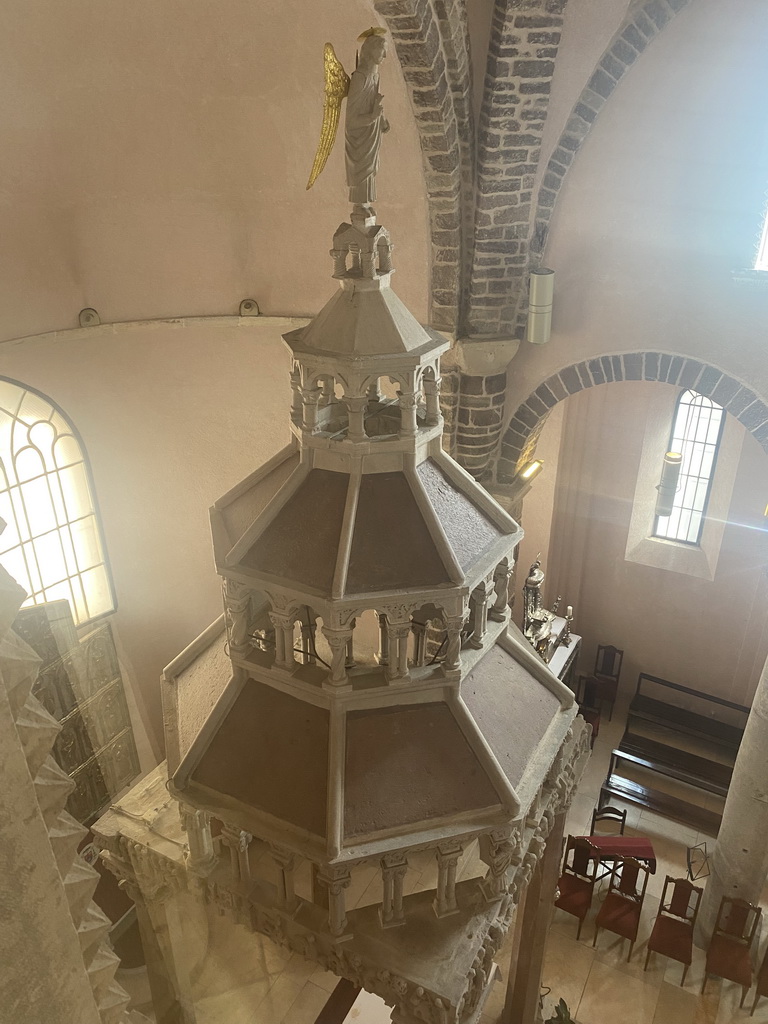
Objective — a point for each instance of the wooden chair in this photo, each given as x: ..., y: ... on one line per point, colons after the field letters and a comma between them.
x: 623, y: 904
x: 762, y: 982
x: 672, y: 933
x: 607, y: 813
x: 589, y: 707
x: 607, y: 671
x: 577, y: 882
x: 730, y: 949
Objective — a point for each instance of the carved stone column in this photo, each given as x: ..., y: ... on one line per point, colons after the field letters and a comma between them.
x: 385, y: 256
x: 350, y: 658
x: 237, y: 606
x: 283, y: 639
x: 286, y: 865
x: 431, y: 390
x: 524, y: 986
x: 308, y: 630
x: 310, y: 398
x: 409, y: 402
x: 447, y: 859
x: 399, y: 633
x: 394, y: 867
x: 297, y: 406
x: 501, y: 580
x: 336, y: 881
x: 478, y: 602
x: 454, y: 625
x: 337, y: 641
x: 356, y: 408
x: 201, y: 856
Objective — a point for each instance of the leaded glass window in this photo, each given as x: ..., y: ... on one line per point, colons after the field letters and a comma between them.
x: 696, y: 433
x: 51, y: 543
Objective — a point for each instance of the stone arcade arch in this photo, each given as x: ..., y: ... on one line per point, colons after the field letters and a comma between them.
x: 522, y: 434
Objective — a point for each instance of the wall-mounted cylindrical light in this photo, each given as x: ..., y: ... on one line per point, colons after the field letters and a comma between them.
x: 670, y: 476
x: 541, y: 290
x: 531, y: 470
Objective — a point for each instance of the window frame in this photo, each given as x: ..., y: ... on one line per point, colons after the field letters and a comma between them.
x: 36, y: 598
x: 680, y: 445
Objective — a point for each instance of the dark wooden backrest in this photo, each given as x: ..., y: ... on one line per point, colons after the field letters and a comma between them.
x: 629, y: 878
x: 608, y: 661
x: 580, y: 858
x: 608, y: 814
x: 684, y: 899
x: 737, y: 919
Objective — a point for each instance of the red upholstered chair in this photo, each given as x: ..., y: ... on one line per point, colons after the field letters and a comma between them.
x: 672, y: 933
x: 623, y: 904
x: 730, y: 950
x: 577, y: 882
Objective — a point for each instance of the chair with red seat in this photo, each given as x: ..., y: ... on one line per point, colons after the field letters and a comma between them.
x: 623, y: 904
x: 577, y: 882
x: 730, y: 949
x: 672, y: 933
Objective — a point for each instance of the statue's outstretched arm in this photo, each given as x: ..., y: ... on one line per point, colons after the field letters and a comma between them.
x: 336, y: 88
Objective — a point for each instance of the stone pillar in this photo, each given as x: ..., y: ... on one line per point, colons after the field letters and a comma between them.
x: 394, y: 867
x: 385, y: 256
x: 283, y: 639
x: 339, y: 257
x: 431, y: 390
x: 399, y: 634
x: 338, y: 640
x: 447, y: 859
x: 356, y: 408
x: 522, y: 1002
x: 237, y: 604
x: 308, y: 641
x: 454, y: 625
x: 310, y: 398
x: 286, y: 865
x: 478, y: 602
x: 409, y: 402
x: 297, y: 411
x: 501, y: 579
x: 200, y: 853
x: 383, y: 655
x: 739, y: 865
x: 350, y: 658
x: 336, y: 882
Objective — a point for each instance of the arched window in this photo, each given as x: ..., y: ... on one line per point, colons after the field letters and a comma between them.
x: 696, y: 431
x: 51, y: 543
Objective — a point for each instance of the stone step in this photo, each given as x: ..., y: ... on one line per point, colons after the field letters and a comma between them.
x: 79, y: 885
x: 37, y: 731
x: 66, y: 835
x: 92, y: 929
x: 53, y: 787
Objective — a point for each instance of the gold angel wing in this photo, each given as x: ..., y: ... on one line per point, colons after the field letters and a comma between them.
x: 336, y: 88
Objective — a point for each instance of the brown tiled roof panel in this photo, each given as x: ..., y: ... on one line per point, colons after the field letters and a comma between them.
x: 407, y: 764
x: 302, y: 543
x: 271, y: 753
x: 391, y: 546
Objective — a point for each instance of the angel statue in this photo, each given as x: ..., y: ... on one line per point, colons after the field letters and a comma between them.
x: 365, y: 121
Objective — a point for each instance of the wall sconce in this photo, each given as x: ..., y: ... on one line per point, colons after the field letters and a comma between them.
x: 541, y: 289
x: 521, y: 484
x: 667, y: 488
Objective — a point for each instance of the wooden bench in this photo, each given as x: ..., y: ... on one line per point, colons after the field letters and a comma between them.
x: 665, y: 804
x: 667, y: 708
x: 711, y: 776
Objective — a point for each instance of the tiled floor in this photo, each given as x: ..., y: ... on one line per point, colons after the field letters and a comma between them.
x: 599, y: 986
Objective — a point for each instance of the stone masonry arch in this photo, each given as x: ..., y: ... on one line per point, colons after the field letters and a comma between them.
x: 522, y: 434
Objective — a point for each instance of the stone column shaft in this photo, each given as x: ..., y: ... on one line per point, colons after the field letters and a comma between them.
x: 447, y: 861
x: 739, y: 864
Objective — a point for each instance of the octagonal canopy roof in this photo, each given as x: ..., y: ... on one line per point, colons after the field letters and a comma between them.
x: 343, y: 783
x: 365, y: 318
x: 342, y: 534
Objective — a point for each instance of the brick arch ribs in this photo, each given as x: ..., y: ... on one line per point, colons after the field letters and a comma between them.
x: 522, y: 434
